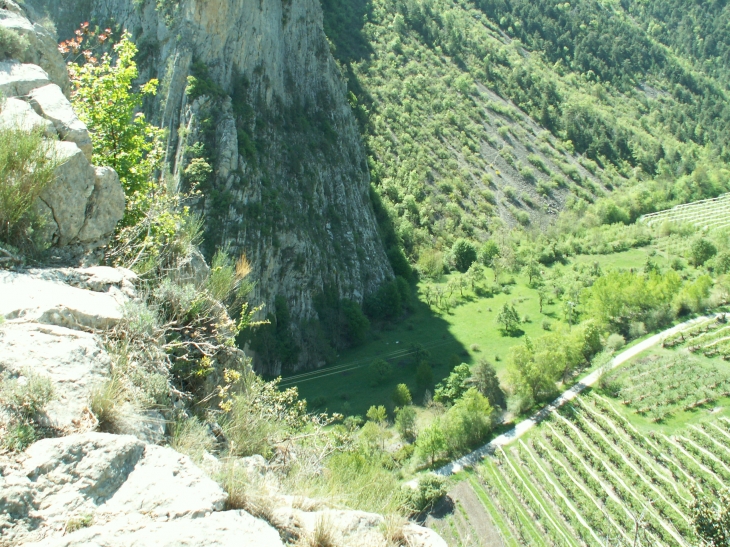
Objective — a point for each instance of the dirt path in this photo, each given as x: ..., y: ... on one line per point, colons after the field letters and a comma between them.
x: 524, y: 426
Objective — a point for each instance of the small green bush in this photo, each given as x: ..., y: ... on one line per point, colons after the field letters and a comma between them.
x: 402, y: 395
x: 191, y: 437
x: 27, y: 396
x: 380, y: 372
x: 12, y: 44
x: 23, y: 399
x: 27, y: 167
x: 431, y: 488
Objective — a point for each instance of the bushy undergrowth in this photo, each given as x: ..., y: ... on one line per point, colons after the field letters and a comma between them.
x: 12, y: 44
x: 23, y: 400
x: 27, y: 166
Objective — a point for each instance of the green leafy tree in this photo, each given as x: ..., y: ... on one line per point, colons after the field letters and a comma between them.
x: 541, y: 297
x: 431, y: 443
x: 484, y: 378
x: 357, y: 325
x: 702, y: 250
x: 454, y: 386
x: 431, y: 263
x: 106, y: 101
x: 402, y: 396
x: 534, y: 273
x: 465, y: 254
x: 431, y: 488
x: 405, y: 422
x: 475, y: 274
x: 711, y: 517
x: 467, y: 422
x: 509, y: 319
x: 377, y: 414
x: 488, y: 252
x: 419, y: 353
x: 620, y: 298
x: 530, y: 378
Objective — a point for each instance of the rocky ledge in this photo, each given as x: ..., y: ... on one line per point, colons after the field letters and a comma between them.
x: 83, y: 205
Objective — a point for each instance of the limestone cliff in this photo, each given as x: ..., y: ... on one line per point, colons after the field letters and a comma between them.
x: 267, y: 111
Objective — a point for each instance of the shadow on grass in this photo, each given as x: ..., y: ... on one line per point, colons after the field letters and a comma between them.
x: 345, y: 386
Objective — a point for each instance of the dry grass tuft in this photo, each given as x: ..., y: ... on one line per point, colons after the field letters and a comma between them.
x: 106, y: 405
x: 323, y: 535
x: 243, y: 267
x: 394, y: 531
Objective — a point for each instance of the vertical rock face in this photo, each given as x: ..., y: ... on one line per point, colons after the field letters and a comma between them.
x: 267, y: 112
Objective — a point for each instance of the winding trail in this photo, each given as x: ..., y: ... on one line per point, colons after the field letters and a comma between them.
x: 526, y: 425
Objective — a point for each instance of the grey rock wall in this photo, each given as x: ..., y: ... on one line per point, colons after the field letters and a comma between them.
x: 290, y: 181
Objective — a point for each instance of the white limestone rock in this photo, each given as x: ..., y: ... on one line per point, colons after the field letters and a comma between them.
x: 74, y: 361
x: 19, y: 79
x: 39, y: 297
x: 191, y: 269
x: 105, y: 207
x: 130, y: 489
x: 69, y: 194
x: 42, y: 50
x: 222, y: 529
x: 50, y: 102
x: 17, y: 114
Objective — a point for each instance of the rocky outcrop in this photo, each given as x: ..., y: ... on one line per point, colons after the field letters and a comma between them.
x: 114, y: 490
x: 50, y: 102
x: 84, y: 204
x: 42, y: 50
x: 17, y: 114
x: 290, y: 182
x: 50, y: 320
x: 118, y: 491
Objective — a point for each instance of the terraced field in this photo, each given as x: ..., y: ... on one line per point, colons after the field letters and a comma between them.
x: 708, y: 214
x: 710, y: 338
x: 615, y: 466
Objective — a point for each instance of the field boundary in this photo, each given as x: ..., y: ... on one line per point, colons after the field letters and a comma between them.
x: 526, y: 425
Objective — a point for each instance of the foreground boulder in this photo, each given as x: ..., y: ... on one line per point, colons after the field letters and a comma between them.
x: 102, y: 489
x: 50, y: 323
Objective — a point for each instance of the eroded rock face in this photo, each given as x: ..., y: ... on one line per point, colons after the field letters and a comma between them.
x: 47, y: 297
x: 43, y: 48
x: 50, y: 102
x: 19, y: 79
x: 294, y: 200
x: 83, y: 205
x: 216, y: 530
x: 74, y: 361
x: 133, y: 493
x: 47, y: 318
x: 17, y: 114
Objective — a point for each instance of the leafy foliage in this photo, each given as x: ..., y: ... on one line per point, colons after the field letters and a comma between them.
x: 711, y: 517
x: 106, y: 101
x: 509, y: 319
x: 454, y: 386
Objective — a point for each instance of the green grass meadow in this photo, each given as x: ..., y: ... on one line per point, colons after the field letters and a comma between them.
x: 467, y: 333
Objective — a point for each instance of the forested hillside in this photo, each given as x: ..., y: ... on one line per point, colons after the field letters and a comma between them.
x: 477, y: 114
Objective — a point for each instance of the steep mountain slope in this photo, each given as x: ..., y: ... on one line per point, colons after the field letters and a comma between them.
x: 257, y: 118
x: 617, y: 86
